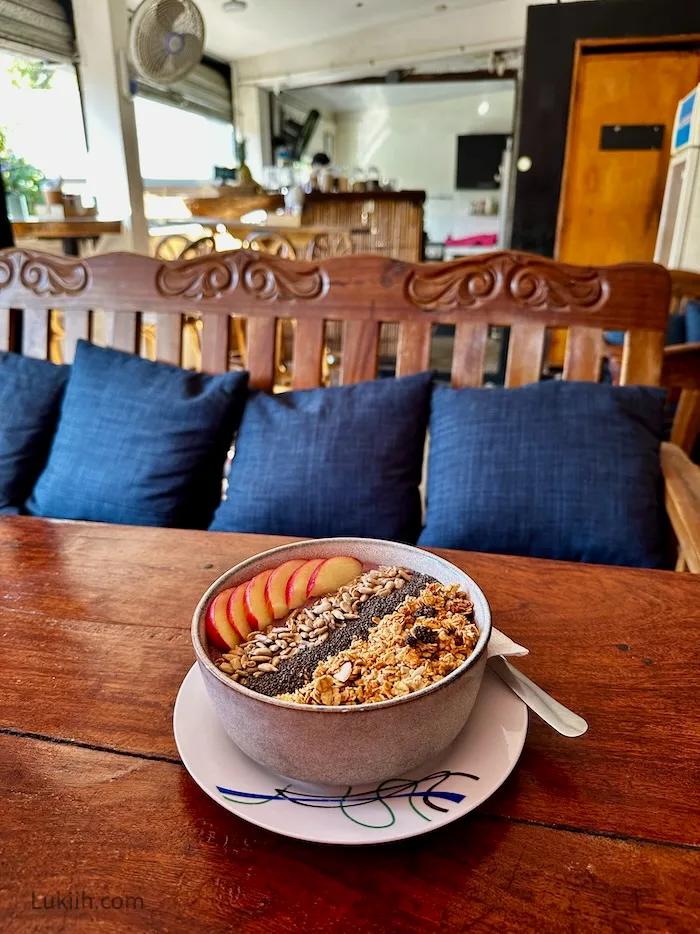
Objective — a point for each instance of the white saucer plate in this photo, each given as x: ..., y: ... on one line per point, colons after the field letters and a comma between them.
x: 437, y: 793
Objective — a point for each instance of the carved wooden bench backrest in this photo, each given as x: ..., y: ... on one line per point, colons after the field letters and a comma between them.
x: 526, y: 293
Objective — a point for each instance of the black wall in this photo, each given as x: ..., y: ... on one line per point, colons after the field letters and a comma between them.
x: 552, y: 31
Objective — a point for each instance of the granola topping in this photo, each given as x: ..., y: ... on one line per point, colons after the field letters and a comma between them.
x: 426, y: 638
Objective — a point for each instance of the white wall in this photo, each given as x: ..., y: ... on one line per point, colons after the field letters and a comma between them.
x: 113, y: 154
x: 298, y: 110
x: 416, y: 144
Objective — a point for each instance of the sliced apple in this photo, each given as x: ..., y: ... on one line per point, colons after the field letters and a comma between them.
x: 299, y: 581
x: 332, y: 574
x: 236, y: 612
x: 276, y: 588
x: 219, y: 631
x: 257, y: 611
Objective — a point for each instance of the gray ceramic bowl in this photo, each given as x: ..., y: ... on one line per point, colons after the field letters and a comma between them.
x: 346, y: 745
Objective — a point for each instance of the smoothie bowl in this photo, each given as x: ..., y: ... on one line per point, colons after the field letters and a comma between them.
x: 342, y: 661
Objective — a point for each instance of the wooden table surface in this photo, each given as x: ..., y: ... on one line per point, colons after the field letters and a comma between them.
x: 69, y: 228
x: 599, y: 833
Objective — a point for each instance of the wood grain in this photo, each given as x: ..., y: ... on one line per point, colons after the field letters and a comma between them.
x: 469, y: 355
x: 642, y: 358
x: 308, y: 350
x: 121, y: 330
x: 501, y: 288
x: 215, y: 338
x: 583, y: 354
x: 611, y: 199
x: 686, y: 421
x: 101, y: 824
x: 681, y: 367
x: 169, y: 339
x: 413, y: 353
x: 682, y: 480
x: 4, y: 328
x: 71, y: 228
x: 525, y: 354
x: 76, y: 326
x: 360, y: 347
x: 35, y: 333
x: 260, y: 352
x: 114, y: 659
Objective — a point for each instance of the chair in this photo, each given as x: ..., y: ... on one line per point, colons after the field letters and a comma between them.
x: 526, y: 293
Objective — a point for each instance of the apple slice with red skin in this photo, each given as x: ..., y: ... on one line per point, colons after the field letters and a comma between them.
x: 236, y: 612
x: 333, y: 573
x: 219, y: 631
x: 276, y: 587
x: 299, y: 581
x: 257, y: 611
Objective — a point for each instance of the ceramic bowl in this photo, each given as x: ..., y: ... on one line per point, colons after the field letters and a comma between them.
x: 355, y: 744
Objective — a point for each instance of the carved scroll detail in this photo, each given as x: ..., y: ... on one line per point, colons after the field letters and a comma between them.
x: 44, y: 274
x: 204, y: 277
x: 7, y: 271
x: 523, y: 280
x: 211, y: 276
x: 284, y: 283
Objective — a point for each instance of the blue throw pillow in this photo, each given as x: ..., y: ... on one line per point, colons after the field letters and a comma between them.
x: 30, y: 402
x: 692, y: 322
x: 139, y: 443
x: 551, y: 470
x: 325, y: 462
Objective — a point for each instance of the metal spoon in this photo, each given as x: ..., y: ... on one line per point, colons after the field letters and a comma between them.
x: 559, y: 717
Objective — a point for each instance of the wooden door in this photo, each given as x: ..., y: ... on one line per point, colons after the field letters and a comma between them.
x: 611, y: 197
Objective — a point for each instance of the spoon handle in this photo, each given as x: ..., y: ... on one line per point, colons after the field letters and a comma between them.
x: 559, y: 717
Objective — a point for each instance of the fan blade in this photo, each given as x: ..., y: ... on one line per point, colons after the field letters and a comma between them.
x: 167, y: 13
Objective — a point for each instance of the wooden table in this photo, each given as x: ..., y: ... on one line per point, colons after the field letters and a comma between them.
x: 70, y: 230
x: 595, y: 834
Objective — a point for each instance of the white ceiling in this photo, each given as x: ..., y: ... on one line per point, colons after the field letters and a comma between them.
x: 353, y: 97
x: 273, y: 25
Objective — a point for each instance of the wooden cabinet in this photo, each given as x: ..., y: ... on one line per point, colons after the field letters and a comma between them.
x: 389, y: 223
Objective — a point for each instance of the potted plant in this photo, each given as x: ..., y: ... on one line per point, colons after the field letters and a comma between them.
x: 22, y: 181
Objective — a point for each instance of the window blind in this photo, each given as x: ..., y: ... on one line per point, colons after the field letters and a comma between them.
x: 39, y: 27
x: 206, y: 90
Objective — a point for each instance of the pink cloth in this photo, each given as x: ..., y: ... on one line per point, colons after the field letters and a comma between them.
x: 477, y: 240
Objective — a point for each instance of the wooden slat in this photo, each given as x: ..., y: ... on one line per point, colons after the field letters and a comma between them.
x: 413, y: 355
x: 35, y: 333
x: 525, y: 351
x: 682, y: 487
x: 260, y: 355
x: 360, y: 345
x: 215, y: 336
x: 308, y: 351
x: 76, y: 326
x: 583, y: 354
x: 169, y: 338
x: 469, y: 354
x: 686, y: 421
x: 120, y: 330
x: 642, y: 358
x: 4, y: 328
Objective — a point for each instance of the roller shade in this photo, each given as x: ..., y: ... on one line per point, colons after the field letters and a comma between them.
x: 206, y: 90
x: 39, y: 27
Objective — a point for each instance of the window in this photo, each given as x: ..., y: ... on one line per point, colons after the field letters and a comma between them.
x: 176, y: 144
x: 41, y: 115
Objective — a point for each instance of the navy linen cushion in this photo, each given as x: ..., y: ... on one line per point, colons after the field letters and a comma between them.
x: 551, y: 470
x: 30, y: 402
x: 139, y: 443
x: 324, y: 462
x: 693, y: 322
